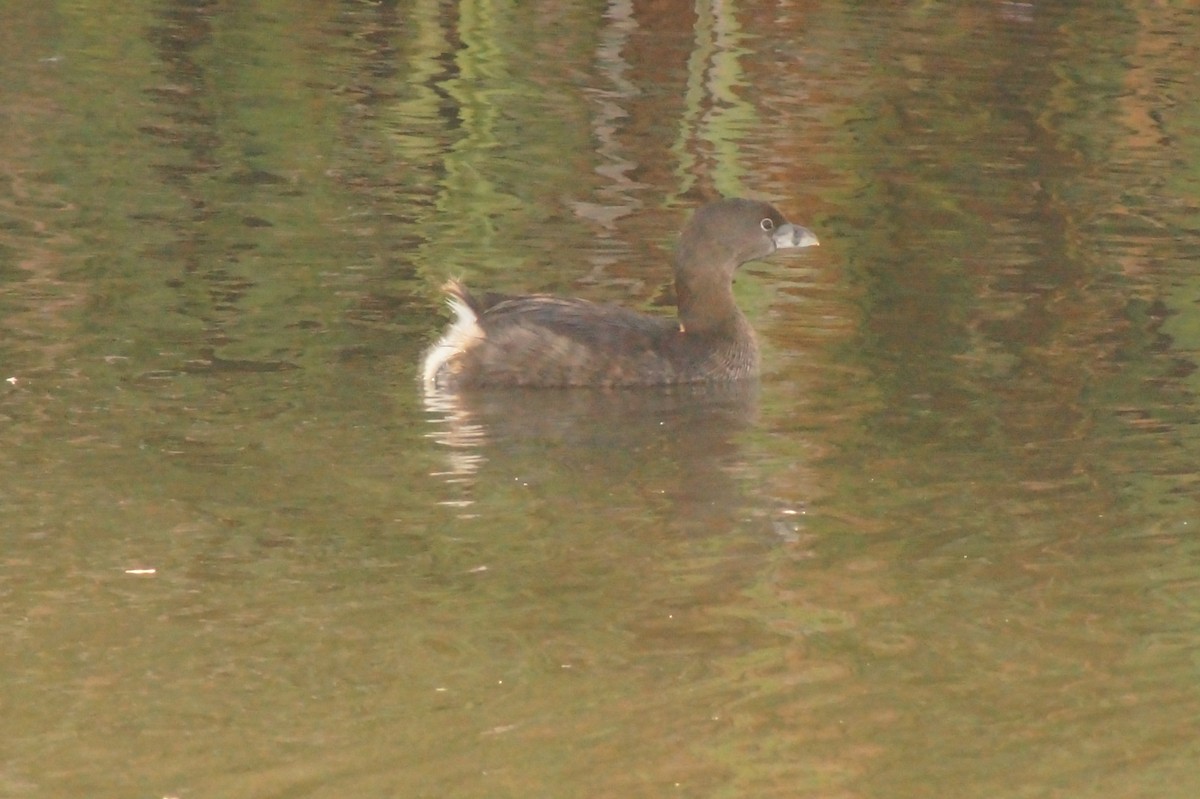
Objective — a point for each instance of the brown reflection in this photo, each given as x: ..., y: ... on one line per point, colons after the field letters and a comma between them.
x: 678, y: 444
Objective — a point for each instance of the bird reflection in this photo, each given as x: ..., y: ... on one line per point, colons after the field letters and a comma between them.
x: 681, y: 442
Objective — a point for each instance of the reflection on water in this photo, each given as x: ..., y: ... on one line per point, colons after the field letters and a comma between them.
x: 602, y: 438
x: 947, y: 547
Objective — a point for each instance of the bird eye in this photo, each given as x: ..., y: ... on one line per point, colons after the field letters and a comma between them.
x: 767, y: 225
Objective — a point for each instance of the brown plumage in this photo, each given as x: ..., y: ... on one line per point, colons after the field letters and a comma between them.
x: 541, y: 340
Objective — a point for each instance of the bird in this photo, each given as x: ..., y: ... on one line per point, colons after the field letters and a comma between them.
x: 544, y: 341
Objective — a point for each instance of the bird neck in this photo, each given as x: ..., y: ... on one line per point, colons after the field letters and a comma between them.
x: 705, y: 298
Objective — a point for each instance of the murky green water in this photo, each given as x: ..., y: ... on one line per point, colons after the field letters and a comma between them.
x: 948, y: 547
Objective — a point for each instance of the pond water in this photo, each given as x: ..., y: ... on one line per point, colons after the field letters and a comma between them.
x: 947, y: 546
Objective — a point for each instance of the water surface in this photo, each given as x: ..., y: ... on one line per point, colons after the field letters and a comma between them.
x: 946, y: 547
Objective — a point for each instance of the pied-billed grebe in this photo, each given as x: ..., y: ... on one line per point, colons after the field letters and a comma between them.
x: 540, y: 340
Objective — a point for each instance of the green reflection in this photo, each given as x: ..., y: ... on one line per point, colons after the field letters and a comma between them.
x: 948, y: 549
x: 715, y: 116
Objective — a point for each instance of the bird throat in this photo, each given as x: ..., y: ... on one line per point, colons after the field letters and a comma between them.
x: 705, y: 300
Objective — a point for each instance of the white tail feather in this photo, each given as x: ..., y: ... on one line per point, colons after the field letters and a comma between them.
x: 458, y: 338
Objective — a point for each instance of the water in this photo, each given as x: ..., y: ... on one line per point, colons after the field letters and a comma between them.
x: 947, y: 547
